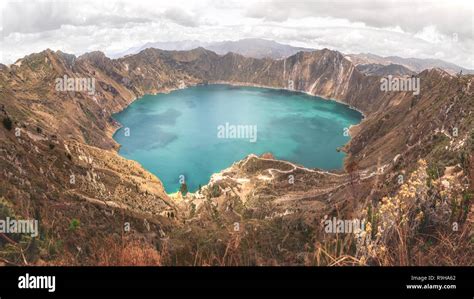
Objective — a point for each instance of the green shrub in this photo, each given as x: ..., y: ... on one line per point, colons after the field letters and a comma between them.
x: 183, y: 189
x: 7, y: 123
x: 215, y: 191
x: 74, y: 224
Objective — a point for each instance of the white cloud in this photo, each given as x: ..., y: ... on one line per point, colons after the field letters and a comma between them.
x: 181, y: 17
x: 441, y: 29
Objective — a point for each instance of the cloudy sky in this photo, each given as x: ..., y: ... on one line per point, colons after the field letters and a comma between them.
x: 413, y: 28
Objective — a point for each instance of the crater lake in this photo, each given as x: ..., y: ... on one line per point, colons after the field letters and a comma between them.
x: 194, y: 132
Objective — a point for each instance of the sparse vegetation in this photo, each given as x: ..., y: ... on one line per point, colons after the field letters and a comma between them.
x: 409, y: 223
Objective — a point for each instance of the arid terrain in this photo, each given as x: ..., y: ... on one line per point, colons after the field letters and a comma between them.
x: 409, y: 171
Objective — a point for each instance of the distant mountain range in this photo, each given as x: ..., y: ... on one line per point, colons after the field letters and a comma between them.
x: 414, y: 64
x: 170, y: 46
x: 375, y: 69
x: 369, y: 64
x: 249, y: 47
x: 256, y: 48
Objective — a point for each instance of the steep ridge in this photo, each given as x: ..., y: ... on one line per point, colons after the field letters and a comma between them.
x: 414, y: 64
x: 59, y: 166
x: 71, y: 133
x: 384, y: 70
x: 326, y: 73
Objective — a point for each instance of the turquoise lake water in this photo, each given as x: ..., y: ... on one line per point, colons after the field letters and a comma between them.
x: 181, y: 133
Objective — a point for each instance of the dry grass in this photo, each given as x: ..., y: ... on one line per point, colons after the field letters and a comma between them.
x: 130, y: 253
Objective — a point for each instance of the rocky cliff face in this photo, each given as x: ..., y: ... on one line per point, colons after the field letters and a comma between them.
x: 60, y: 163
